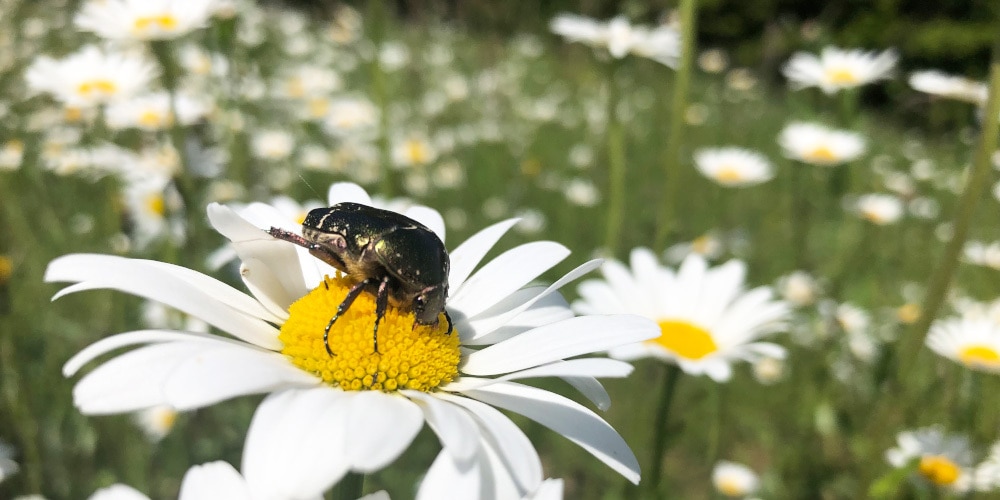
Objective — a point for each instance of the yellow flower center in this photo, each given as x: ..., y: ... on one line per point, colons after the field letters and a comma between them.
x: 417, y: 152
x: 155, y: 204
x: 939, y: 470
x: 821, y: 154
x: 6, y: 268
x: 875, y: 216
x: 685, y: 339
x: 72, y: 114
x: 908, y: 313
x: 295, y: 87
x: 100, y: 86
x: 409, y: 356
x: 841, y: 76
x: 702, y: 245
x: 318, y: 107
x: 153, y: 119
x: 14, y: 146
x: 162, y: 22
x: 729, y: 175
x: 979, y: 356
x: 730, y: 487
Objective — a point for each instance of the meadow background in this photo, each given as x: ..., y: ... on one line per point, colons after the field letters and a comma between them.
x: 514, y: 122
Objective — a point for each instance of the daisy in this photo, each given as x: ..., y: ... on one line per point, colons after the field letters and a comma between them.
x: 818, y: 145
x: 949, y: 86
x: 143, y: 19
x: 799, y: 288
x: 734, y: 480
x: 733, y: 167
x: 274, y: 145
x: 413, y: 151
x: 972, y: 340
x: 155, y: 422
x: 350, y: 116
x: 152, y: 111
x: 90, y: 76
x: 338, y: 407
x: 983, y: 254
x: 837, y: 69
x: 942, y: 460
x: 707, y: 320
x: 620, y: 38
x: 11, y: 154
x: 879, y: 209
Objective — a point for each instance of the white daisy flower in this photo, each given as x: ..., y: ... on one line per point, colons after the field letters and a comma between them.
x: 707, y: 320
x: 350, y: 116
x: 91, y: 76
x: 733, y: 166
x: 799, y: 288
x: 972, y: 340
x: 143, y: 19
x: 942, y: 460
x: 734, y: 480
x: 982, y: 254
x: 986, y: 475
x: 152, y: 111
x: 818, y: 145
x: 318, y: 405
x: 949, y: 86
x: 709, y: 245
x: 155, y: 422
x: 148, y: 202
x: 307, y: 81
x: 272, y: 145
x: 880, y: 209
x: 11, y: 154
x: 836, y: 69
x: 413, y: 151
x: 620, y: 38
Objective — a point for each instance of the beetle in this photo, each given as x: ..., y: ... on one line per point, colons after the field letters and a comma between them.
x: 396, y: 258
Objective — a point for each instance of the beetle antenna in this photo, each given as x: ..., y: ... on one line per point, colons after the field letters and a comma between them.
x: 311, y: 188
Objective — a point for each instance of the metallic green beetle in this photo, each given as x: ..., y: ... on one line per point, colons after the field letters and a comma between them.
x: 396, y: 258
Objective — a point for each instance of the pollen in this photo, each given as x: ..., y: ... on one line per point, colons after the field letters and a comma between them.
x: 684, y: 339
x: 979, y: 356
x: 939, y: 470
x: 419, y: 357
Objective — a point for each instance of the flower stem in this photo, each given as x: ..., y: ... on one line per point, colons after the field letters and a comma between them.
x: 799, y: 215
x: 616, y: 165
x: 350, y: 487
x: 675, y: 135
x: 655, y: 466
x: 975, y: 185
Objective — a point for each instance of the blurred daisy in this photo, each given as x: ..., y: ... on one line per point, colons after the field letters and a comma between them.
x: 733, y: 166
x: 328, y: 405
x: 8, y: 466
x: 350, y: 116
x: 734, y: 480
x: 982, y: 254
x: 799, y: 288
x: 949, y: 86
x: 709, y: 245
x: 620, y: 38
x: 986, y: 476
x: 972, y: 340
x: 148, y: 203
x: 274, y: 145
x: 818, y: 145
x: 942, y: 460
x: 307, y: 81
x: 152, y: 111
x: 707, y: 320
x: 837, y: 69
x: 880, y: 209
x: 155, y: 422
x: 90, y: 76
x: 413, y: 151
x: 581, y: 192
x: 11, y: 154
x: 143, y: 19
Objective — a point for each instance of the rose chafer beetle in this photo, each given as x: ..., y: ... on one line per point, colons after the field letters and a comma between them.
x: 394, y: 257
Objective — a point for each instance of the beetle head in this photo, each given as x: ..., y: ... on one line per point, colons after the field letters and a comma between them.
x: 428, y: 304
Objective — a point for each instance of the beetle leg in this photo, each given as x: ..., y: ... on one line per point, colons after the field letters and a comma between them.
x: 381, y: 299
x: 342, y: 308
x: 451, y: 327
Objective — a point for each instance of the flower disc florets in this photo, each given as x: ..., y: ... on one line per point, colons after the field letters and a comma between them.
x: 420, y: 358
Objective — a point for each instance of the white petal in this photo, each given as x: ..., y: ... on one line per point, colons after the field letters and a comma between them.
x: 218, y: 373
x: 592, y: 389
x: 565, y: 339
x: 252, y: 242
x: 428, y: 217
x: 205, y: 298
x: 718, y: 370
x: 547, y: 308
x: 447, y: 479
x: 214, y: 480
x: 551, y: 489
x: 565, y: 417
x: 505, y: 274
x: 296, y: 444
x: 472, y: 330
x: 632, y: 352
x: 512, y: 446
x: 378, y: 495
x: 372, y: 451
x: 114, y: 342
x: 467, y: 256
x: 340, y: 192
x: 455, y: 428
x: 118, y: 492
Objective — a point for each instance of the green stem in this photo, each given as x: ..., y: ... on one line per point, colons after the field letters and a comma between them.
x: 350, y: 487
x: 799, y: 215
x: 655, y: 466
x: 975, y: 185
x: 376, y: 33
x: 675, y: 135
x: 616, y: 165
